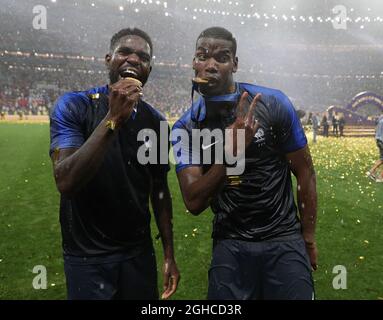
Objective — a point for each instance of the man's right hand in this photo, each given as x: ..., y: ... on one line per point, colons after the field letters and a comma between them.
x: 243, y: 121
x: 123, y: 97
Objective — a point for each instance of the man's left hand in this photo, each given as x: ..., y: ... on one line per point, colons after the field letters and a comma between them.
x: 312, y: 252
x: 171, y: 278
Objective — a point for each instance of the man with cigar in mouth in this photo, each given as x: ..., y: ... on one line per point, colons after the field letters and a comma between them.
x: 104, y: 208
x: 262, y: 248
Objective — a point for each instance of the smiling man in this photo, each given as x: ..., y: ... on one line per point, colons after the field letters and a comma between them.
x: 105, y: 191
x: 262, y: 249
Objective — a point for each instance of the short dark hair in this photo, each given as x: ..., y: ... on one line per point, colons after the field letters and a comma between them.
x: 219, y: 33
x: 130, y: 32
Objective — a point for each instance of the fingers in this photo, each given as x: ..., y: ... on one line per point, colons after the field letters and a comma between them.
x: 126, y: 91
x: 129, y: 92
x: 171, y: 279
x: 171, y: 286
x: 126, y: 87
x: 313, y: 255
x: 166, y: 286
x: 122, y: 98
x: 131, y: 88
x: 250, y: 117
x: 255, y: 125
x: 167, y: 289
x: 314, y: 264
x: 241, y: 104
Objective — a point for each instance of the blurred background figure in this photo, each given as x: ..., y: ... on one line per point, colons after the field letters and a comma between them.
x: 335, y: 123
x: 341, y: 123
x: 325, y: 125
x: 373, y: 173
x: 315, y: 125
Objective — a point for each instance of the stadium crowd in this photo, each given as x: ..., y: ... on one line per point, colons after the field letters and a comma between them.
x: 314, y: 64
x: 33, y: 90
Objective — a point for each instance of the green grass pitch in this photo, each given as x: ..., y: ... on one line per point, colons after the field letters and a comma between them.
x: 349, y: 231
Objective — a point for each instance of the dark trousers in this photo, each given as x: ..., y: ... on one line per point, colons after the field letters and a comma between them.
x: 242, y: 270
x: 134, y: 278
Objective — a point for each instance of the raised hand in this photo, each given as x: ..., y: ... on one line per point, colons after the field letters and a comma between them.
x: 123, y: 98
x: 243, y: 121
